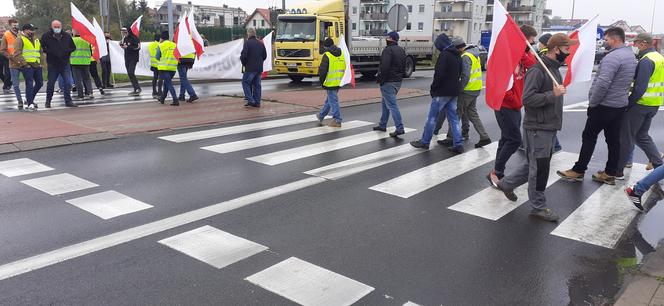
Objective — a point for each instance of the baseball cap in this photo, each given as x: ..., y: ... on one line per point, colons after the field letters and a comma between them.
x: 560, y: 40
x: 393, y: 35
x: 28, y: 26
x: 544, y: 39
x: 644, y: 37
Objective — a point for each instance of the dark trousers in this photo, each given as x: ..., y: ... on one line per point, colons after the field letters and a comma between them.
x: 509, y: 121
x: 106, y: 73
x: 157, y: 82
x: 609, y: 120
x: 5, y: 75
x: 33, y: 82
x: 167, y: 76
x: 82, y: 79
x: 131, y: 69
x: 54, y: 72
x: 95, y: 75
x: 635, y: 128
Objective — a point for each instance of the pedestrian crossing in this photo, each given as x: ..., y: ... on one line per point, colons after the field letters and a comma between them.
x: 112, y: 97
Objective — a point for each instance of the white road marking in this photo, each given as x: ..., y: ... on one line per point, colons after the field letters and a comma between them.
x: 83, y: 248
x: 21, y: 166
x: 491, y: 204
x: 365, y: 162
x: 288, y: 155
x: 409, y: 303
x: 59, y: 183
x: 427, y: 177
x: 283, y: 137
x: 308, y: 284
x: 213, y: 246
x: 581, y: 107
x: 108, y: 204
x: 237, y: 129
x: 603, y: 217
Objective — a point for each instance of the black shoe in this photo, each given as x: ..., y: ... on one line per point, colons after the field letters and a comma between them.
x: 254, y: 105
x: 47, y: 104
x: 418, y: 144
x: 509, y: 194
x: 482, y: 142
x: 73, y: 89
x: 192, y: 99
x: 247, y: 104
x: 456, y: 149
x: 71, y: 105
x: 445, y: 142
x: 138, y: 91
x: 396, y: 133
x: 182, y: 98
x: 175, y: 103
x: 101, y: 91
x: 379, y: 129
x: 635, y: 198
x: 161, y: 100
x: 133, y: 93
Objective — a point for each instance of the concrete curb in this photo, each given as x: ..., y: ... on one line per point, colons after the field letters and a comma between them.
x: 53, y: 142
x: 646, y: 286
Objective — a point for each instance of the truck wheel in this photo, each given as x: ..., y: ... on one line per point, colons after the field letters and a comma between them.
x: 410, y: 67
x: 369, y: 73
x: 296, y: 78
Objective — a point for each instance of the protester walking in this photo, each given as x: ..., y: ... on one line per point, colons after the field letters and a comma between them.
x: 185, y: 63
x: 390, y: 74
x: 330, y: 72
x: 509, y: 114
x: 27, y: 53
x: 58, y: 47
x: 157, y: 83
x: 106, y: 64
x: 471, y: 82
x: 252, y: 57
x: 444, y: 92
x: 7, y: 49
x: 608, y: 99
x: 95, y: 74
x: 167, y: 67
x: 5, y: 73
x: 636, y: 192
x: 131, y: 45
x: 543, y: 104
x: 80, y: 65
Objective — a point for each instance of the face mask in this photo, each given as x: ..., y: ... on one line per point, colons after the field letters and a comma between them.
x: 57, y: 30
x: 15, y: 26
x: 562, y: 56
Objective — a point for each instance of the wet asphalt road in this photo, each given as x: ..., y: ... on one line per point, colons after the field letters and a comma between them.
x: 407, y: 249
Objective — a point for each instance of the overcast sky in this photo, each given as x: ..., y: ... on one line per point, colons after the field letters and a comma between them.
x: 633, y: 11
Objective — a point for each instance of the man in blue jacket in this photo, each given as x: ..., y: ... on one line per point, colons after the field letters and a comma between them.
x: 252, y: 57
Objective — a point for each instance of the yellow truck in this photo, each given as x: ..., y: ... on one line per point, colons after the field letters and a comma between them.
x: 300, y: 34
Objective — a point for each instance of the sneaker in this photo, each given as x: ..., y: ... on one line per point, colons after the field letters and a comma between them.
x: 483, y: 142
x: 456, y: 149
x: 31, y: 106
x: 161, y: 100
x: 182, y: 98
x: 629, y: 165
x: 445, y: 142
x: 396, y: 133
x: 620, y: 176
x: 320, y: 119
x: 571, y: 175
x: 635, y: 198
x: 509, y: 194
x: 602, y: 177
x: 175, y: 103
x: 101, y: 91
x: 35, y: 105
x: 334, y: 123
x: 650, y: 166
x: 545, y: 214
x: 192, y: 99
x: 379, y: 129
x: 418, y: 144
x: 493, y: 179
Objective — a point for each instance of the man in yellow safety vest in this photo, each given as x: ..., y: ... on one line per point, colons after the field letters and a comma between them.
x: 27, y: 53
x: 167, y: 66
x: 80, y: 66
x: 157, y: 83
x: 330, y: 72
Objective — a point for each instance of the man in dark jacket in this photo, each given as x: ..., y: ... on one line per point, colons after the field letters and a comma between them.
x: 444, y: 92
x: 252, y: 57
x: 58, y: 46
x: 390, y: 75
x: 543, y: 102
x: 330, y: 72
x: 131, y: 45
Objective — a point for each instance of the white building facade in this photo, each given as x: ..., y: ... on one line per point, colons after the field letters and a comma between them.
x: 205, y: 15
x: 462, y: 18
x: 369, y: 18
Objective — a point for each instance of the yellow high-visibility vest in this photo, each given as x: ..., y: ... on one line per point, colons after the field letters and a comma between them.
x: 190, y: 55
x: 82, y: 54
x: 31, y: 51
x: 152, y: 48
x: 654, y: 95
x: 167, y: 62
x: 336, y: 69
x: 475, y: 81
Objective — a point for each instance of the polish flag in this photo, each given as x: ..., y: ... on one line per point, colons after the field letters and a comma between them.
x: 581, y: 58
x: 267, y: 63
x: 85, y: 29
x: 507, y: 47
x: 198, y: 39
x: 182, y: 39
x: 101, y: 49
x: 136, y: 26
x: 349, y: 73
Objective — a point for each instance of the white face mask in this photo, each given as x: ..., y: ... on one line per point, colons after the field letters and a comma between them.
x: 57, y: 30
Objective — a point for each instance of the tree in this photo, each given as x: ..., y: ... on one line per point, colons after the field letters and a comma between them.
x: 42, y: 12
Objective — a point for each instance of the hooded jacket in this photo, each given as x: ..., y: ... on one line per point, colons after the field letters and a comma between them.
x: 447, y: 74
x: 467, y: 66
x: 57, y: 47
x: 392, y: 64
x: 325, y: 65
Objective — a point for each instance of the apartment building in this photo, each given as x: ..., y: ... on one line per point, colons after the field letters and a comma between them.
x: 530, y: 12
x: 369, y: 18
x: 463, y: 18
x: 205, y: 15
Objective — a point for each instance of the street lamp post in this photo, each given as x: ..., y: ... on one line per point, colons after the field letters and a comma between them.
x: 652, y: 21
x: 170, y: 18
x: 574, y: 6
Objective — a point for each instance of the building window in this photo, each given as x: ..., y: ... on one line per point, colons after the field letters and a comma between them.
x: 410, y: 9
x: 444, y: 26
x: 409, y: 26
x: 354, y: 9
x: 447, y: 8
x: 262, y: 23
x: 254, y: 23
x: 421, y: 8
x: 420, y: 26
x: 354, y: 26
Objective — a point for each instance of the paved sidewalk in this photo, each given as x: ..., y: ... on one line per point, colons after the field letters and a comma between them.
x: 646, y: 287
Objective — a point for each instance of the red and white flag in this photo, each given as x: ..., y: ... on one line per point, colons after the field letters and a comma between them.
x: 136, y: 26
x: 182, y: 39
x: 349, y: 73
x: 581, y: 57
x: 507, y: 47
x: 84, y: 29
x: 267, y: 63
x: 196, y: 37
x: 101, y: 49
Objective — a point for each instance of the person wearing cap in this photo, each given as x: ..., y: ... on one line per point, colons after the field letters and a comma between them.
x: 167, y: 66
x: 80, y: 65
x: 131, y: 45
x: 542, y: 42
x: 390, y: 74
x: 608, y: 100
x: 58, y: 47
x: 157, y: 83
x: 5, y: 73
x: 444, y: 92
x: 645, y: 99
x: 471, y: 84
x: 543, y: 104
x: 7, y: 49
x: 330, y: 73
x: 252, y: 57
x: 27, y: 53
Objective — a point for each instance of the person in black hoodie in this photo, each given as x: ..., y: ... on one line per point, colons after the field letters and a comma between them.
x: 58, y: 46
x: 252, y: 57
x: 390, y: 74
x: 330, y: 72
x: 131, y: 45
x: 444, y: 92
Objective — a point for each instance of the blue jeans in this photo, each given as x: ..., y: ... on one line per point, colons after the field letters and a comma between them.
x: 184, y: 82
x: 331, y: 103
x: 16, y: 82
x: 389, y: 103
x: 70, y: 77
x: 33, y: 82
x: 651, y: 179
x: 449, y: 106
x: 251, y: 85
x: 167, y: 76
x: 54, y: 74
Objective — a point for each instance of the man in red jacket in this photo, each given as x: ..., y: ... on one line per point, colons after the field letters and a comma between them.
x: 509, y: 115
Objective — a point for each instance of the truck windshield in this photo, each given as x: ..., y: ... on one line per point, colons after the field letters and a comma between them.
x: 296, y: 30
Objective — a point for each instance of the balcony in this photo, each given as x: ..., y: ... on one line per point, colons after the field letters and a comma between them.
x: 489, y: 2
x: 374, y: 2
x: 453, y: 15
x: 526, y: 9
x: 548, y: 12
x: 374, y: 16
x: 372, y: 32
x: 489, y: 18
x: 526, y: 22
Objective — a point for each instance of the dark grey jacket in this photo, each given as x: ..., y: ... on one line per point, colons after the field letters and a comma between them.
x: 614, y: 79
x: 544, y: 111
x: 392, y: 64
x: 644, y: 71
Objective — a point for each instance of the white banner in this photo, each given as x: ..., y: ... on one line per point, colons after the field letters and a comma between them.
x: 218, y: 62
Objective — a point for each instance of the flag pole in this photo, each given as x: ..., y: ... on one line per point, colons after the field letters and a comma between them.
x: 543, y: 65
